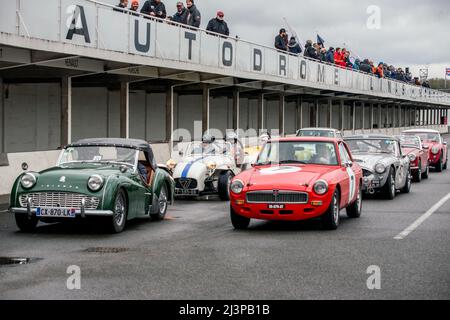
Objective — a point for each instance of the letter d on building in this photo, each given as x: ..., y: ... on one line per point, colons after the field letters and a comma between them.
x: 74, y: 280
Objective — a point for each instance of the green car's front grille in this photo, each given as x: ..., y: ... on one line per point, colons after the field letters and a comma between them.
x: 59, y: 200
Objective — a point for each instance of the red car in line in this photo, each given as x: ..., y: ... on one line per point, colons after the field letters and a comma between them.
x: 298, y: 179
x: 418, y: 154
x: 433, y: 141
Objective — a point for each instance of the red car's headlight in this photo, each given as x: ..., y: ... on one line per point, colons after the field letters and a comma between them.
x: 237, y: 186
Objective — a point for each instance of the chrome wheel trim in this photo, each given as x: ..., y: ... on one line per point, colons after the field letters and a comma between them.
x: 335, y: 210
x: 162, y: 200
x: 392, y: 184
x: 229, y: 185
x: 119, y: 210
x: 359, y: 200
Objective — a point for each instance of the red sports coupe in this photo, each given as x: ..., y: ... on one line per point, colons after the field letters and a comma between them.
x: 419, y: 156
x: 433, y: 141
x: 298, y: 179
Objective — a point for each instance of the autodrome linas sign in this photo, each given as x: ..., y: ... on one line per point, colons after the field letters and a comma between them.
x: 88, y: 24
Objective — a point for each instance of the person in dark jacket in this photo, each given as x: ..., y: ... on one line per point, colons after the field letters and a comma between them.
x: 365, y: 66
x: 329, y: 57
x: 123, y: 4
x: 181, y: 15
x: 310, y: 51
x: 154, y: 8
x: 194, y: 16
x: 294, y: 46
x: 280, y: 40
x: 218, y: 25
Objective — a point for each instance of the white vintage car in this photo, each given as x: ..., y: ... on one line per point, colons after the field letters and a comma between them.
x: 206, y: 168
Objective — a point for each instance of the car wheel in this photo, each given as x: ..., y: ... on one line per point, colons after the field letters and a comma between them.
x: 407, y: 187
x: 331, y: 218
x: 119, y: 217
x: 224, y: 186
x: 355, y: 209
x: 418, y: 173
x: 238, y: 222
x: 426, y: 174
x: 438, y: 167
x: 445, y: 164
x: 25, y: 223
x: 389, y: 187
x: 162, y: 205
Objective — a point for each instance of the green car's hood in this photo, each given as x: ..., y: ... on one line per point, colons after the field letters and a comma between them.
x: 72, y: 177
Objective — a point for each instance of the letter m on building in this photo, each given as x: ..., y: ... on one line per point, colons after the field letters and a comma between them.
x: 320, y: 73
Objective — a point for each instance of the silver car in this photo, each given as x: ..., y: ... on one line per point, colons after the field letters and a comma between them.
x: 385, y: 168
x: 320, y: 132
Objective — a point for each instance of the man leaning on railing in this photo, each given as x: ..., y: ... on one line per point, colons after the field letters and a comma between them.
x: 154, y: 8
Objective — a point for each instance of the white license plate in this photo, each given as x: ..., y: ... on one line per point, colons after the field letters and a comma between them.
x: 55, y: 213
x: 275, y: 206
x: 186, y: 192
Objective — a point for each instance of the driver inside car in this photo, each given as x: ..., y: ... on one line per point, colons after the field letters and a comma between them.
x: 323, y: 155
x: 387, y: 146
x: 142, y: 167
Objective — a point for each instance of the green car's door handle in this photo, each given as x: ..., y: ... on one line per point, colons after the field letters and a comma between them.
x: 149, y: 194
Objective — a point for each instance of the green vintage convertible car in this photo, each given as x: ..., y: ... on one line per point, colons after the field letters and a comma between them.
x: 113, y: 180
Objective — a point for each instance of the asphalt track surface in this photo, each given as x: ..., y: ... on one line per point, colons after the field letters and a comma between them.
x: 196, y: 254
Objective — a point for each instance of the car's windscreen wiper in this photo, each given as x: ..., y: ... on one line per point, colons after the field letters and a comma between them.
x: 292, y: 161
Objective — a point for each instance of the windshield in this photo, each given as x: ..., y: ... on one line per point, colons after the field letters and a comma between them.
x: 95, y: 154
x: 372, y: 146
x: 209, y: 148
x: 426, y: 136
x: 316, y: 133
x: 410, y: 141
x: 293, y: 152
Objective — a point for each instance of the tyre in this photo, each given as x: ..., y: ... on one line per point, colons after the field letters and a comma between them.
x: 162, y: 205
x: 355, y: 209
x: 119, y: 217
x: 407, y: 187
x: 389, y: 188
x: 224, y: 186
x: 331, y: 218
x: 417, y: 175
x: 438, y: 166
x: 25, y: 223
x: 238, y: 222
x: 426, y: 174
x: 445, y: 164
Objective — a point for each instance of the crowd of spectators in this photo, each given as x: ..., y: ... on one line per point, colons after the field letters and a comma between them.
x: 187, y: 15
x: 190, y: 16
x: 342, y: 57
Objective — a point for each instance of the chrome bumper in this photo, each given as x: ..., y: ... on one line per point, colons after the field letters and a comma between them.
x: 78, y: 212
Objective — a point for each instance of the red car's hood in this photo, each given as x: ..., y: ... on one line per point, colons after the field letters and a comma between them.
x: 289, y: 177
x: 408, y: 150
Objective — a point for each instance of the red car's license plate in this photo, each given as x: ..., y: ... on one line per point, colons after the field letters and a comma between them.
x: 276, y: 206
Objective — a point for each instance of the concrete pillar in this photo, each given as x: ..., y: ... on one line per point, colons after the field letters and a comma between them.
x: 299, y: 113
x: 363, y: 116
x: 2, y: 117
x: 330, y: 113
x: 124, y: 110
x: 380, y: 117
x: 260, y: 111
x: 354, y: 117
x: 236, y: 108
x: 371, y: 117
x: 394, y: 118
x: 342, y: 112
x: 281, y: 112
x: 66, y: 111
x: 205, y: 109
x: 169, y: 115
x: 317, y: 110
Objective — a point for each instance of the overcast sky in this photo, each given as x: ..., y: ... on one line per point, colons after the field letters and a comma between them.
x: 414, y: 33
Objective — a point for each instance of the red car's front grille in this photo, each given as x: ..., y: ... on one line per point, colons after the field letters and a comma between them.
x: 271, y: 196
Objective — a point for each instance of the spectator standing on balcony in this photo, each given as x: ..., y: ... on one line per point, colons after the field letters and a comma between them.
x: 181, y: 15
x: 330, y: 55
x: 218, y: 25
x: 123, y: 4
x: 194, y: 16
x: 310, y: 51
x: 365, y: 66
x: 357, y: 64
x: 294, y: 46
x: 323, y: 55
x: 379, y: 70
x: 338, y: 57
x: 134, y: 7
x: 280, y: 40
x: 154, y: 8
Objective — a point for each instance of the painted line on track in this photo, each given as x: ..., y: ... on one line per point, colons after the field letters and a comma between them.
x: 402, y: 235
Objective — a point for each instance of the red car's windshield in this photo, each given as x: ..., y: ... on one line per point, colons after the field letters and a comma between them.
x: 302, y: 152
x: 427, y: 136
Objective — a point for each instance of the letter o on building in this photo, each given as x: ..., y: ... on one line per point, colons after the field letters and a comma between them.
x: 227, y: 54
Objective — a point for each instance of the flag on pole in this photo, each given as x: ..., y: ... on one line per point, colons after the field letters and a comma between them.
x: 320, y: 40
x: 447, y: 72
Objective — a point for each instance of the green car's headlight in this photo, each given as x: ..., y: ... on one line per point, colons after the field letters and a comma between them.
x: 95, y: 182
x: 237, y: 186
x: 28, y: 180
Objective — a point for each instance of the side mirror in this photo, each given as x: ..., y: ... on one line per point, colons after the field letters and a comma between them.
x: 445, y: 143
x: 123, y: 169
x: 181, y: 153
x: 349, y: 164
x: 25, y: 166
x: 426, y: 147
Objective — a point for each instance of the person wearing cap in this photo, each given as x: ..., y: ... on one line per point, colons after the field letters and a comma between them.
x: 181, y: 15
x: 218, y: 25
x: 194, y: 17
x: 294, y: 46
x: 123, y: 4
x: 154, y: 8
x: 280, y: 40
